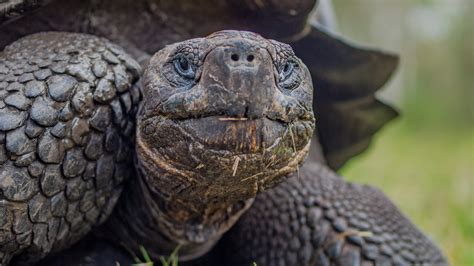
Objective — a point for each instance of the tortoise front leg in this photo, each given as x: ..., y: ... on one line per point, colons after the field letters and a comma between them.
x: 319, y: 219
x: 67, y: 104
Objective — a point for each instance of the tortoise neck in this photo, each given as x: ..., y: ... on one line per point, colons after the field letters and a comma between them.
x: 161, y: 223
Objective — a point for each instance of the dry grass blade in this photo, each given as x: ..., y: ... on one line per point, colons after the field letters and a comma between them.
x: 233, y: 119
x: 235, y: 166
x: 250, y: 177
x: 355, y: 233
x: 290, y: 126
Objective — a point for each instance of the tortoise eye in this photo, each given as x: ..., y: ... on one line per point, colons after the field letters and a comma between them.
x: 286, y: 71
x: 183, y: 66
x: 289, y: 75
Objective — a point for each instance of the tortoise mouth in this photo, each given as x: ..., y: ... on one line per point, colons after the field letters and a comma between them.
x: 241, y: 135
x: 222, y: 151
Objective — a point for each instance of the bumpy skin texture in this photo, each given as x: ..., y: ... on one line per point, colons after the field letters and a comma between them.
x: 66, y: 127
x: 317, y: 218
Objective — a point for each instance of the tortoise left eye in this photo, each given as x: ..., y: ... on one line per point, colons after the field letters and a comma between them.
x: 286, y: 71
x: 183, y: 67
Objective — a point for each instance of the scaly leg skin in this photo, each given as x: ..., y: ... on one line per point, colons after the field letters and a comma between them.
x: 319, y: 219
x: 67, y: 104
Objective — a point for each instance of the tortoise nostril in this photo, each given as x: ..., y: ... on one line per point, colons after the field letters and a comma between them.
x: 235, y: 57
x: 250, y: 58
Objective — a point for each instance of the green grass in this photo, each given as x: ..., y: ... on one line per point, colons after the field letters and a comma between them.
x: 171, y: 260
x: 428, y: 172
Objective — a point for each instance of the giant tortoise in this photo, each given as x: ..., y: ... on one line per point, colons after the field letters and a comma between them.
x: 203, y: 150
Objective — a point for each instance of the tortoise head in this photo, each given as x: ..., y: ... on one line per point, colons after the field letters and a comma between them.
x: 223, y: 117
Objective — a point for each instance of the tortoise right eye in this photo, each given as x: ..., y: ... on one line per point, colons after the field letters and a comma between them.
x: 289, y: 75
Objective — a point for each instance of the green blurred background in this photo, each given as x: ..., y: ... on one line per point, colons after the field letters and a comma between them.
x: 424, y: 159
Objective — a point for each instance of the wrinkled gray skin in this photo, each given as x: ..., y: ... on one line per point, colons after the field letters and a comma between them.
x: 68, y: 105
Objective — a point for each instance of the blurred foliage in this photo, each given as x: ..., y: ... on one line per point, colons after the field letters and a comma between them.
x: 424, y: 160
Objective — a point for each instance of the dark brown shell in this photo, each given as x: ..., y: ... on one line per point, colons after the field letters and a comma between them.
x: 345, y: 78
x: 9, y: 9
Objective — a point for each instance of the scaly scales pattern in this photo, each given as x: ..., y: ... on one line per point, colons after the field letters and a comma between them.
x: 67, y: 104
x: 319, y: 219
